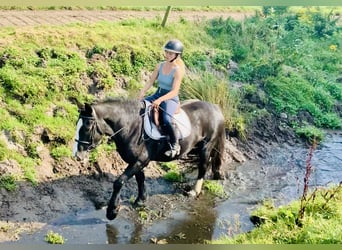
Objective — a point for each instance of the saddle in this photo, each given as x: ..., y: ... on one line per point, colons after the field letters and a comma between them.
x: 152, y: 130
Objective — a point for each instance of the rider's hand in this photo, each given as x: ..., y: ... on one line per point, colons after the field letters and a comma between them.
x: 156, y: 104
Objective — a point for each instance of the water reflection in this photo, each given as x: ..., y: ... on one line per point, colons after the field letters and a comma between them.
x: 192, y: 225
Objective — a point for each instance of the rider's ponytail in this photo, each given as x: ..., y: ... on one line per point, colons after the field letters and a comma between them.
x: 180, y: 63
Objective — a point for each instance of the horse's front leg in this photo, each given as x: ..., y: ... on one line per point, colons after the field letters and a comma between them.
x: 114, y: 202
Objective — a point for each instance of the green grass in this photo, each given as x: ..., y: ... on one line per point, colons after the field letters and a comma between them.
x: 322, y: 223
x: 54, y: 238
x: 173, y: 173
x: 311, y: 134
x: 8, y: 182
x: 215, y: 188
x: 59, y: 152
x: 102, y: 150
x: 173, y: 176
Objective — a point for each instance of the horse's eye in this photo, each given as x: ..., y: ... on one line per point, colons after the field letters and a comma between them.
x: 87, y: 123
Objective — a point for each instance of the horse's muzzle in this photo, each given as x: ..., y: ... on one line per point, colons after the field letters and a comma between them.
x: 81, y: 157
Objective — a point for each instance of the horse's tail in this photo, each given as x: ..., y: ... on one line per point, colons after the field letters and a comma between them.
x: 217, y: 153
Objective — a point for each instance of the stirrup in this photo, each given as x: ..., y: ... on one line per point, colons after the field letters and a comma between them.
x: 173, y: 151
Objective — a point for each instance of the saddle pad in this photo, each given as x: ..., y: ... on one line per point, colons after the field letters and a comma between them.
x: 181, y: 120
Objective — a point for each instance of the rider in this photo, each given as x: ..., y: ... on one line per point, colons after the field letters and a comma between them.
x: 169, y: 75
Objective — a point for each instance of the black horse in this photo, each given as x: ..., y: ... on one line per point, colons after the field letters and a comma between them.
x: 122, y: 120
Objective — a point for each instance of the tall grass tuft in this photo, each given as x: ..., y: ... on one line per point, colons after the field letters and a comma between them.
x: 206, y: 86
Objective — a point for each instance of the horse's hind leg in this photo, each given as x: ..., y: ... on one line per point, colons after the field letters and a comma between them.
x: 140, y: 178
x: 204, y: 157
x: 210, y: 152
x: 217, y: 153
x: 216, y: 162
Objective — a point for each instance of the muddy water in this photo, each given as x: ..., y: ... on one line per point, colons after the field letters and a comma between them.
x: 279, y: 177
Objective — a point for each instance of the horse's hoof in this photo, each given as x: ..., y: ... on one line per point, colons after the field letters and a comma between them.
x: 138, y: 203
x: 217, y: 176
x: 192, y: 194
x: 111, y: 214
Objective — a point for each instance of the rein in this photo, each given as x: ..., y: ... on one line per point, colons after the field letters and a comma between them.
x: 93, y: 145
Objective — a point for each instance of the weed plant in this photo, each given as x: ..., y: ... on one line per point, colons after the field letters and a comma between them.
x: 215, y: 188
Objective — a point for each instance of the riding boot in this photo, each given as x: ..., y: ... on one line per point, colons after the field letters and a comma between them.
x: 174, y: 144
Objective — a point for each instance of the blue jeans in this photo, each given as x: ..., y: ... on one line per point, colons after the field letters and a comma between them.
x: 168, y: 107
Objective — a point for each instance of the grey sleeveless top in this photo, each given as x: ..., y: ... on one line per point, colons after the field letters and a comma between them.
x: 165, y: 81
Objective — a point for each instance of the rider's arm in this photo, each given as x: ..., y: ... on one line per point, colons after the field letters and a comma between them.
x: 150, y: 82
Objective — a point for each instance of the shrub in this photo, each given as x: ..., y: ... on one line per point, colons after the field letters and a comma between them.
x: 196, y: 59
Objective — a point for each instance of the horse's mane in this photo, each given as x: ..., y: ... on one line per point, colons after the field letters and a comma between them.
x: 130, y: 106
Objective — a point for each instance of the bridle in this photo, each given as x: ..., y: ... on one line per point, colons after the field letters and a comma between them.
x: 92, y: 129
x: 91, y: 144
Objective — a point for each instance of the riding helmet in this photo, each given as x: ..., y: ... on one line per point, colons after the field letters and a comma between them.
x: 174, y: 46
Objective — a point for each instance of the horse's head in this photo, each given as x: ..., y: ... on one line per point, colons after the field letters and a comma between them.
x: 88, y: 133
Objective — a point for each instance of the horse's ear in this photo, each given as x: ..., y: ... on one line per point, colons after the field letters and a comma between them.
x: 80, y: 106
x: 88, y: 109
x: 75, y: 101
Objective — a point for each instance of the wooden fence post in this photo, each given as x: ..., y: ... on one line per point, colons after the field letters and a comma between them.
x: 166, y: 16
